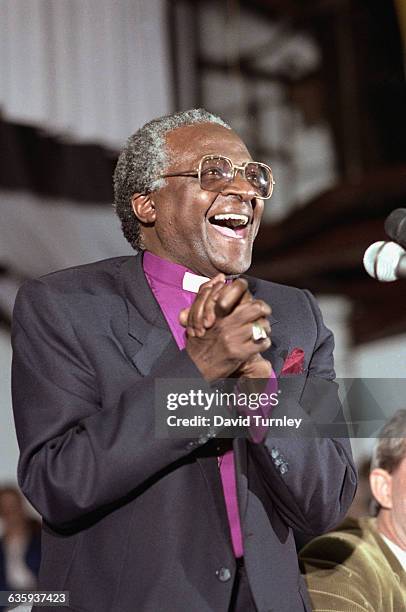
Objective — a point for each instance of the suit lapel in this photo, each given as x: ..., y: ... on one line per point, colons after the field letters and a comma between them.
x: 150, y: 332
x: 278, y: 350
x: 276, y: 354
x: 147, y: 325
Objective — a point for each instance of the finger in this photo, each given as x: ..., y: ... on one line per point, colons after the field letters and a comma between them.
x: 246, y: 331
x: 196, y: 314
x: 251, y: 348
x: 184, y: 313
x: 230, y: 296
x: 247, y: 297
x: 209, y: 315
x: 183, y: 316
x: 249, y: 312
x: 247, y: 349
x: 193, y: 318
x: 265, y: 324
x: 239, y: 342
x: 219, y: 278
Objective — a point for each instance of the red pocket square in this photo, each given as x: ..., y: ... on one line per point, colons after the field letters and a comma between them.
x: 294, y: 362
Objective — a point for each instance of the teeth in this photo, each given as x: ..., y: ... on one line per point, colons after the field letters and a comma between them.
x: 232, y: 216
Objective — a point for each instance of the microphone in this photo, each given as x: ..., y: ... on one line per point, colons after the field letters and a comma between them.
x: 395, y: 226
x: 385, y: 261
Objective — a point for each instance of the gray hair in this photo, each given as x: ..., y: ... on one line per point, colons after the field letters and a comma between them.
x: 390, y: 448
x: 143, y: 158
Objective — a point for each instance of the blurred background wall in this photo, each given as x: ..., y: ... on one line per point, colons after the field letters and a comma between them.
x: 315, y: 88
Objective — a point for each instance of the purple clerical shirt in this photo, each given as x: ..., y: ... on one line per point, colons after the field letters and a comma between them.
x: 167, y: 282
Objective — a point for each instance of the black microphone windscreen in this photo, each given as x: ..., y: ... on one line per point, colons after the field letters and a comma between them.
x: 395, y: 226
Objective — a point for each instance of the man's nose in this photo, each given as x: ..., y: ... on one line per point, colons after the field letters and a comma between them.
x: 239, y: 186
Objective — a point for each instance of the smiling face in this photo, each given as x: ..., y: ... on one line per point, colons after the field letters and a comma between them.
x: 182, y: 223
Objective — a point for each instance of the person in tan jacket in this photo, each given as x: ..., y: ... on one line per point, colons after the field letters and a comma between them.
x: 361, y: 567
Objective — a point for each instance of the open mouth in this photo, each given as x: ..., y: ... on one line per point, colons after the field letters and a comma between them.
x: 230, y: 224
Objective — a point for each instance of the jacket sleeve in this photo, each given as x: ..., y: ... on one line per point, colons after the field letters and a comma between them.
x: 77, y: 456
x: 341, y: 575
x: 309, y: 474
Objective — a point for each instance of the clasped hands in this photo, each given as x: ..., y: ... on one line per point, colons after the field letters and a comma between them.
x: 219, y: 327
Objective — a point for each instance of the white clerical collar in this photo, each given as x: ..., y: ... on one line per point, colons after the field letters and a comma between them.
x: 397, y: 551
x: 193, y: 282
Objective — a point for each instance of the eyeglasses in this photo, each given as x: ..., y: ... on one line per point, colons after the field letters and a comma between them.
x: 216, y: 172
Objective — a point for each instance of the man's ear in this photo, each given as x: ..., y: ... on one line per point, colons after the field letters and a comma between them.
x: 143, y: 207
x: 261, y: 203
x: 381, y: 487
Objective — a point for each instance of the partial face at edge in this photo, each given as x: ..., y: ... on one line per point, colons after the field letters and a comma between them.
x: 184, y: 229
x: 398, y: 492
x: 389, y: 490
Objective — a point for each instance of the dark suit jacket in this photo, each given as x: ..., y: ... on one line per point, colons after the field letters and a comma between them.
x: 133, y: 522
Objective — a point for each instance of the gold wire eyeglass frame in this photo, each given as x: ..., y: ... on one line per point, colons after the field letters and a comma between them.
x: 235, y: 168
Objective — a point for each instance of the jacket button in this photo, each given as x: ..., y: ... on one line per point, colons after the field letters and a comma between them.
x: 223, y: 574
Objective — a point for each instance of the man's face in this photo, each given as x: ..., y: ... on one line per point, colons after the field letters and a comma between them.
x: 399, y: 503
x: 185, y: 230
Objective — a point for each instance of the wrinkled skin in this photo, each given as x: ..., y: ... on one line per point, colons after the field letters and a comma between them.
x: 175, y: 226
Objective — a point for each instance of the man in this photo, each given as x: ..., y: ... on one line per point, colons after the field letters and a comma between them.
x: 363, y: 565
x: 137, y: 522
